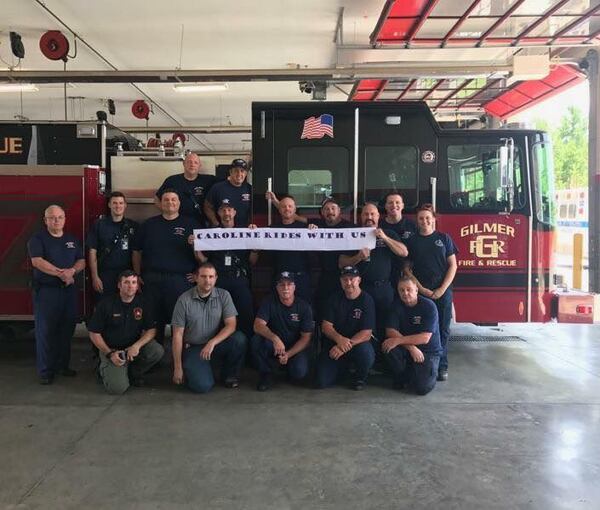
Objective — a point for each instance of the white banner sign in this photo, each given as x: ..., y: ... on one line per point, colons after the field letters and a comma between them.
x: 292, y: 239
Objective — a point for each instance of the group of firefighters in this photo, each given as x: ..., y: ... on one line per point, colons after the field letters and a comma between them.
x: 393, y: 301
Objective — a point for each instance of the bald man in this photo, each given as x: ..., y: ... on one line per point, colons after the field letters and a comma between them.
x: 56, y: 257
x: 192, y: 187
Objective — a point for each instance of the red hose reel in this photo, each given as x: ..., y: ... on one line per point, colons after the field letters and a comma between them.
x: 54, y: 45
x: 140, y: 109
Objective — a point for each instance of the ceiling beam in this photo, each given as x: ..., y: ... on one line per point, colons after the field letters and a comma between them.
x: 538, y: 22
x: 422, y: 19
x: 453, y: 93
x: 166, y: 76
x: 408, y: 87
x: 186, y: 129
x: 571, y: 26
x: 499, y: 22
x: 460, y: 21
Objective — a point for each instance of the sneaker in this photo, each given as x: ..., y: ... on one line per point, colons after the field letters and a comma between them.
x: 264, y: 382
x: 138, y: 382
x: 68, y: 372
x: 442, y: 374
x: 232, y: 382
x: 358, y: 385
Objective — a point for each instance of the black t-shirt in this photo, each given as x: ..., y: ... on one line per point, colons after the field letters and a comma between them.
x: 405, y: 228
x: 429, y: 256
x: 329, y: 259
x: 191, y: 193
x: 292, y: 261
x: 380, y: 263
x: 113, y: 242
x: 240, y: 197
x: 121, y: 324
x: 62, y: 251
x: 349, y: 316
x: 287, y: 322
x: 164, y: 244
x: 421, y: 318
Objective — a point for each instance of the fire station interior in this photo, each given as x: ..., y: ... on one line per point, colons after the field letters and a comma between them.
x: 141, y: 83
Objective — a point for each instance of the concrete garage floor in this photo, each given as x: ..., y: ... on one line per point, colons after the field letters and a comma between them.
x: 516, y: 426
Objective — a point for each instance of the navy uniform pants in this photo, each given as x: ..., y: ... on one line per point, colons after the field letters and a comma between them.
x: 362, y: 356
x: 110, y: 278
x: 265, y: 361
x: 444, y: 308
x: 383, y: 296
x: 420, y: 376
x: 55, y: 315
x: 327, y: 287
x: 164, y: 289
x: 198, y: 373
x: 239, y: 288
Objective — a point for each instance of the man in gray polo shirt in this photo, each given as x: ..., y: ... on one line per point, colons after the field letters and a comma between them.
x: 204, y: 322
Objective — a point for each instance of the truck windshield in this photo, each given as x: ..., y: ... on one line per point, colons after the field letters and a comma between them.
x: 543, y: 178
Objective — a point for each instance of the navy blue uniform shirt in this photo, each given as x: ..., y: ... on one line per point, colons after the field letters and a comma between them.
x: 239, y: 197
x: 164, y: 245
x: 405, y: 228
x: 113, y: 241
x: 292, y: 261
x: 230, y: 262
x: 62, y: 251
x: 287, y: 322
x: 380, y: 263
x: 121, y: 324
x: 429, y: 256
x: 349, y: 316
x: 421, y: 318
x: 191, y: 193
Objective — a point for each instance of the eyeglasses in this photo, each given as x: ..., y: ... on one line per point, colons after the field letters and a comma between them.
x: 55, y: 218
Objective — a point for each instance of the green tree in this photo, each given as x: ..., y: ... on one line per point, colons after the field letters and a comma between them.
x: 570, y: 148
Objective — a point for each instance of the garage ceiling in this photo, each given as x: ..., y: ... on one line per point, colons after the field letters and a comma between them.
x: 394, y: 43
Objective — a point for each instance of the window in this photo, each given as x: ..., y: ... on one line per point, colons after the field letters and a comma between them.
x: 317, y: 172
x: 391, y: 168
x: 543, y: 185
x: 475, y: 180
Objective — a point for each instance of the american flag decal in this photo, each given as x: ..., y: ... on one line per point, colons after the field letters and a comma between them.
x: 318, y: 127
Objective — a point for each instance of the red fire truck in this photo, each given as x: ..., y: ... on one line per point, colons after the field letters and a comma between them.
x: 492, y: 189
x: 41, y: 164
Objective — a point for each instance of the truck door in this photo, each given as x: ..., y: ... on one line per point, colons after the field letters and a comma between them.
x: 485, y: 211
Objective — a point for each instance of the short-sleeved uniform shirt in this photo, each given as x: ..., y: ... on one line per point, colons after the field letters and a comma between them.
x: 240, y: 197
x: 421, y: 318
x: 287, y: 322
x: 349, y: 316
x: 429, y: 256
x: 121, y: 324
x: 191, y: 193
x: 329, y: 259
x: 381, y: 261
x: 113, y: 241
x: 164, y: 245
x: 405, y: 229
x: 202, y: 318
x: 62, y: 251
x: 292, y: 261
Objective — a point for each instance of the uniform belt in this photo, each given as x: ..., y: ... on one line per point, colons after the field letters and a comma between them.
x: 377, y: 283
x: 236, y: 273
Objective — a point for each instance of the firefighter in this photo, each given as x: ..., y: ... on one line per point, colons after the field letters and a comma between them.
x: 433, y: 265
x: 347, y: 327
x: 192, y: 187
x: 404, y: 227
x: 376, y: 265
x: 237, y: 190
x: 283, y: 326
x: 295, y: 262
x: 110, y: 246
x: 204, y: 330
x: 329, y: 282
x: 57, y: 257
x: 412, y: 346
x: 123, y: 330
x: 162, y: 254
x: 233, y: 268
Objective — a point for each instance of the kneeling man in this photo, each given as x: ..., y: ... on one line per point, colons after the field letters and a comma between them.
x: 283, y: 327
x: 123, y: 330
x: 204, y: 322
x: 347, y: 326
x: 412, y: 345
